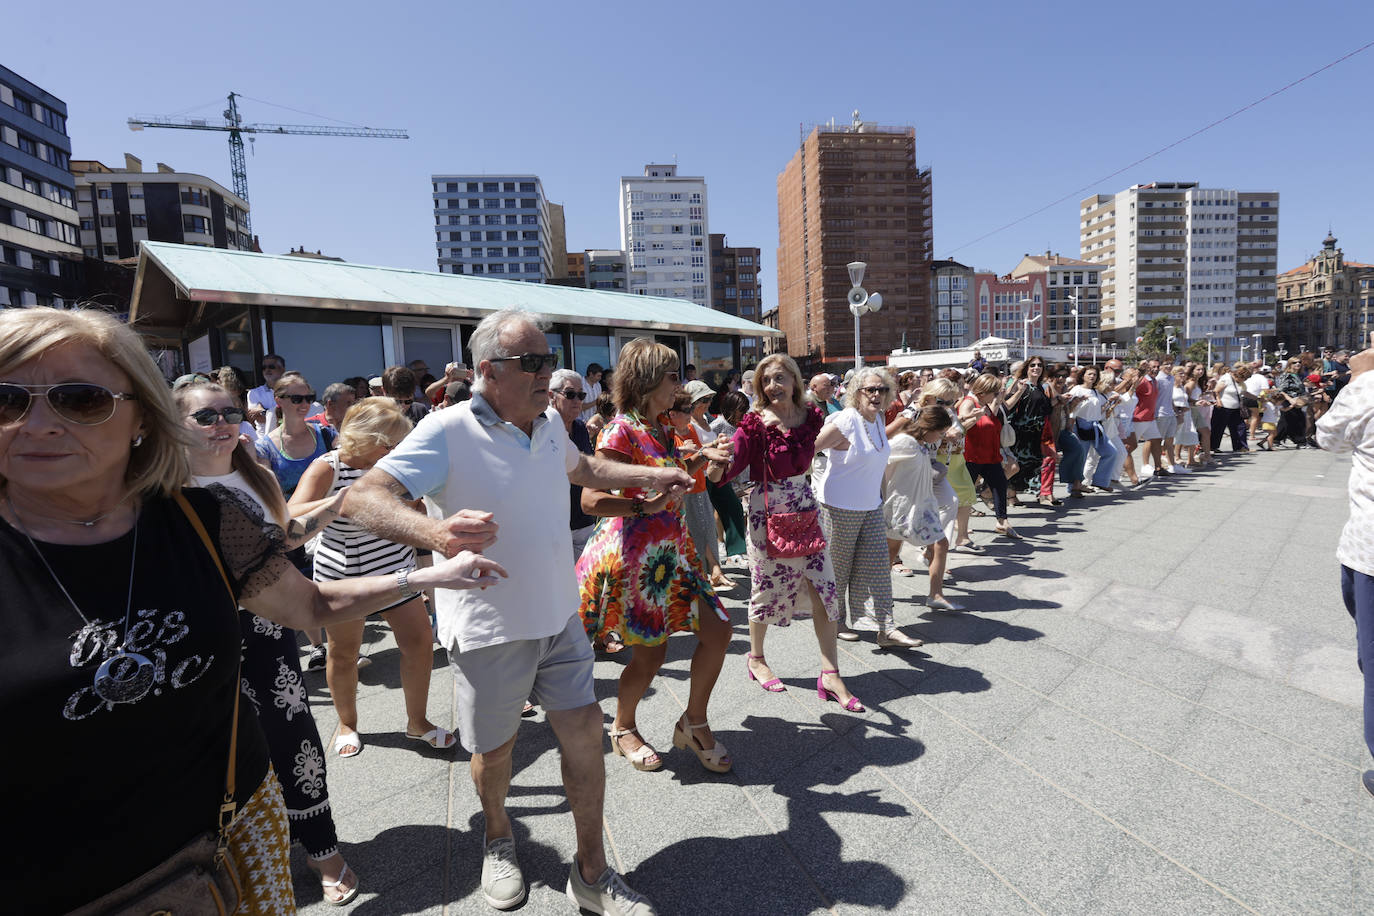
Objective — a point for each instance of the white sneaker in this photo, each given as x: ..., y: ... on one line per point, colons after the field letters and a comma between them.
x: 610, y: 895
x: 502, y: 883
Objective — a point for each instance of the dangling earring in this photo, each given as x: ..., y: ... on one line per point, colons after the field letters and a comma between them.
x: 138, y: 440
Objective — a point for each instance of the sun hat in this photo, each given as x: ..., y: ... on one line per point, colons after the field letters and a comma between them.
x: 698, y: 390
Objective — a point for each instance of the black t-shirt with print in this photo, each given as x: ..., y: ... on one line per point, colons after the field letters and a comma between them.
x: 101, y: 792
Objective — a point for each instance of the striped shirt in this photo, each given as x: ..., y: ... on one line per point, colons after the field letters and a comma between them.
x: 346, y: 550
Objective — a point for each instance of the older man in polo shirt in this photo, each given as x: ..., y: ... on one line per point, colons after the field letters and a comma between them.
x: 504, y: 457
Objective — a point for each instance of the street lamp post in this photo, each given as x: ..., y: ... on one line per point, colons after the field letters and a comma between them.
x: 1169, y: 339
x: 1256, y: 351
x: 1074, y: 312
x: 1026, y: 319
x: 1094, y: 351
x: 1209, y: 349
x: 860, y: 302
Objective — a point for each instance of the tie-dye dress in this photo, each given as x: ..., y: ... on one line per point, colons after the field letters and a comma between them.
x: 640, y: 578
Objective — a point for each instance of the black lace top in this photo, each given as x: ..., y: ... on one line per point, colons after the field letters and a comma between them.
x: 103, y: 791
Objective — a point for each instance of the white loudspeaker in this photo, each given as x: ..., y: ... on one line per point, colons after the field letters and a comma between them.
x: 858, y: 300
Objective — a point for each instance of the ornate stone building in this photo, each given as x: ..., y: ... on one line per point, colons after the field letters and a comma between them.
x: 1325, y: 302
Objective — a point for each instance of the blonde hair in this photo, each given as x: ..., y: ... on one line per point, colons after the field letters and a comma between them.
x: 938, y: 389
x: 789, y: 366
x: 159, y: 466
x: 643, y: 365
x: 987, y: 383
x: 243, y: 459
x: 372, y: 422
x: 288, y: 378
x: 851, y: 394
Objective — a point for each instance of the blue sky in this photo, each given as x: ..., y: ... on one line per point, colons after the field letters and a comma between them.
x: 1014, y: 104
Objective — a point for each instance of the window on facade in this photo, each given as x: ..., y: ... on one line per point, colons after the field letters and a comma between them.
x: 138, y: 219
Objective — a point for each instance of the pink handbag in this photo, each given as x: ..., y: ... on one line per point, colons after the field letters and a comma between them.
x: 790, y: 534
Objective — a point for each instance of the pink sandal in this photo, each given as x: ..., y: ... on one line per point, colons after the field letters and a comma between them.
x: 825, y: 693
x: 774, y: 686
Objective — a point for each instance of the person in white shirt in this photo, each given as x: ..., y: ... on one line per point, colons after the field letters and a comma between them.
x: 1346, y: 429
x: 1092, y: 409
x: 504, y: 457
x: 1257, y: 386
x: 592, y: 383
x: 1166, y: 411
x: 262, y: 403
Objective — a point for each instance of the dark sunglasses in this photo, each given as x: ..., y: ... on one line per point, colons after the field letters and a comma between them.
x: 298, y: 398
x: 532, y: 362
x: 77, y: 402
x: 207, y: 416
x: 271, y: 368
x: 944, y: 403
x: 875, y: 389
x: 573, y: 395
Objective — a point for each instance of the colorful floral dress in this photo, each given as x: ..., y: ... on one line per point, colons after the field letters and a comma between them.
x: 782, y: 457
x: 639, y: 578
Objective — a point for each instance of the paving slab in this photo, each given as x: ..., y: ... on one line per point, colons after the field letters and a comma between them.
x: 1125, y: 721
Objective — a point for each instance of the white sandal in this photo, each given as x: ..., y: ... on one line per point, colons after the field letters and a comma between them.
x: 342, y: 741
x: 638, y: 757
x: 326, y: 886
x: 441, y: 739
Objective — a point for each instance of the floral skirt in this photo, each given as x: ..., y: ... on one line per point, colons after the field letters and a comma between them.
x: 778, y: 586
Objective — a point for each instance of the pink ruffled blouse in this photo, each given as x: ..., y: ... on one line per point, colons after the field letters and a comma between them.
x: 783, y: 452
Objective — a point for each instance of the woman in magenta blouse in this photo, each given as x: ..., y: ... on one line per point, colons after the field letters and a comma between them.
x: 776, y: 441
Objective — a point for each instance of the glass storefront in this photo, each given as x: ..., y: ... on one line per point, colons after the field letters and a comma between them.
x: 591, y: 345
x: 326, y: 353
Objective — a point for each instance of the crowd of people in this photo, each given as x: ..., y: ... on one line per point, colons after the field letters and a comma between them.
x: 239, y: 516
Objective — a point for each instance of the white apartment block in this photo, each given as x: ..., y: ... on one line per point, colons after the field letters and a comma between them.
x: 663, y: 230
x: 493, y: 225
x: 1203, y: 258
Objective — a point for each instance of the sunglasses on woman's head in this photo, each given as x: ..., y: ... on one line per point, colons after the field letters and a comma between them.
x: 207, y: 416
x: 531, y: 362
x: 82, y: 403
x: 299, y: 398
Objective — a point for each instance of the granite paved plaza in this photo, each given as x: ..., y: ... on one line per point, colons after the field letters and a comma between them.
x: 1151, y: 708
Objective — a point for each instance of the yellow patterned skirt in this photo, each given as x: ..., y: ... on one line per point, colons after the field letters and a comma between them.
x: 260, y: 840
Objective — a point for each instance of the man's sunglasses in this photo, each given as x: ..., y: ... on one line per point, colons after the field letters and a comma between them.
x: 531, y: 362
x: 875, y: 389
x: 207, y: 416
x: 944, y: 403
x: 573, y: 395
x: 298, y: 398
x: 77, y: 402
x: 271, y: 368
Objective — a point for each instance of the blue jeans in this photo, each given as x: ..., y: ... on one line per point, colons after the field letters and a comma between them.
x: 1107, y: 456
x: 1358, y: 591
x: 1075, y: 455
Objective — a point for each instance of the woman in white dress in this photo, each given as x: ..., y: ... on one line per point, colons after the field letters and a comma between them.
x: 1186, y: 436
x: 910, y: 507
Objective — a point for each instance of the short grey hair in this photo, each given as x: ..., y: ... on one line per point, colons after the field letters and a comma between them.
x: 851, y: 393
x: 336, y: 391
x: 485, y: 342
x: 562, y: 377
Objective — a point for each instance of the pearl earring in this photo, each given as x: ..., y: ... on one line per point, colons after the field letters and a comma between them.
x: 138, y: 440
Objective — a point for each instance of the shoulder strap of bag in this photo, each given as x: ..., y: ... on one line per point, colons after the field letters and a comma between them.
x: 228, y: 806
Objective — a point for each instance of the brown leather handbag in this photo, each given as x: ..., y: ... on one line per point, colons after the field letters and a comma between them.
x: 201, y: 878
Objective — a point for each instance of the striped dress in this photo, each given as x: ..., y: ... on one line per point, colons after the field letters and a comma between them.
x: 346, y: 550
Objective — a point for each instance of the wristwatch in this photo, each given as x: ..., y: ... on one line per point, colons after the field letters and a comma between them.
x: 403, y: 583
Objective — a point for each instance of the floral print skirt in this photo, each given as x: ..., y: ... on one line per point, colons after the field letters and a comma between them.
x: 778, y: 586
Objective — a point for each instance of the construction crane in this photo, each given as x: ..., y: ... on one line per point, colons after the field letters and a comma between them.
x: 236, y: 129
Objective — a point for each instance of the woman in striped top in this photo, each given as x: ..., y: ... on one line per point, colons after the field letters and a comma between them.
x: 371, y: 428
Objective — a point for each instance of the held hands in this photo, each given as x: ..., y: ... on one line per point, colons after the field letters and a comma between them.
x: 469, y: 529
x: 669, y: 482
x: 463, y: 570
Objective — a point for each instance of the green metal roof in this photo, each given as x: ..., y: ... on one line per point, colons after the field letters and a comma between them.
x: 247, y: 278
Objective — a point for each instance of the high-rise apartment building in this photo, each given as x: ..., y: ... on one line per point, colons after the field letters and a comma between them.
x: 1325, y: 302
x: 663, y: 231
x: 121, y: 207
x: 854, y: 193
x: 606, y: 269
x: 493, y: 225
x: 952, y: 292
x: 1070, y: 285
x: 737, y: 289
x: 1202, y: 258
x: 40, y: 259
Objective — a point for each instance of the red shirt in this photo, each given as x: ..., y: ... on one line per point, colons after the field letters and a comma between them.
x: 983, y: 441
x: 1145, y: 408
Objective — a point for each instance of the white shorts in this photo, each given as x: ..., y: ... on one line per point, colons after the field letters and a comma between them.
x: 1145, y: 430
x: 1168, y: 425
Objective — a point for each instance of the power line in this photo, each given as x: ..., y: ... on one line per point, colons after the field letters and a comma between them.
x: 1164, y: 149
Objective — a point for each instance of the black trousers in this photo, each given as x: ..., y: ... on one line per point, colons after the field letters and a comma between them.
x: 272, y: 681
x: 1292, y: 425
x: 996, y: 480
x: 1228, y: 419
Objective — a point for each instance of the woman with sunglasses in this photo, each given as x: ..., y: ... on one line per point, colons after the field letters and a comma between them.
x: 121, y: 590
x: 1029, y: 406
x: 290, y: 448
x: 980, y: 413
x: 955, y: 493
x: 689, y: 434
x: 850, y: 491
x: 271, y: 663
x: 640, y: 576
